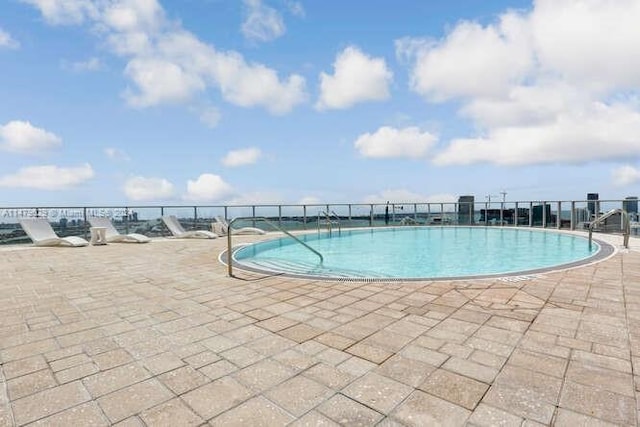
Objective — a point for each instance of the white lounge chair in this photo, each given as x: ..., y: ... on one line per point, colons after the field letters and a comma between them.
x: 40, y: 231
x: 221, y: 226
x: 113, y: 235
x: 176, y: 229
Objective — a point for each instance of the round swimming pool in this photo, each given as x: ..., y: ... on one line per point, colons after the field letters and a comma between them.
x: 421, y: 253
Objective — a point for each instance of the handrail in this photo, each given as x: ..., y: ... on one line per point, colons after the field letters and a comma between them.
x: 626, y: 225
x: 328, y: 221
x: 335, y: 215
x: 272, y: 224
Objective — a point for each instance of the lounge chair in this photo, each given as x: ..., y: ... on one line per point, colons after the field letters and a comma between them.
x: 176, y: 229
x: 221, y: 226
x: 113, y: 235
x: 40, y: 231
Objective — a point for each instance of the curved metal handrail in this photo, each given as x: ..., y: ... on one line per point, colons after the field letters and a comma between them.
x: 272, y: 224
x: 626, y: 225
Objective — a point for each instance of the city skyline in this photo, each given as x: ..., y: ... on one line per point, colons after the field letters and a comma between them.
x: 220, y: 102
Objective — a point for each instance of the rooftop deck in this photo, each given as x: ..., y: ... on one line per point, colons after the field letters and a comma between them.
x: 158, y: 335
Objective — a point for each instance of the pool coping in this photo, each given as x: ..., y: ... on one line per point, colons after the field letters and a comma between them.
x: 606, y: 251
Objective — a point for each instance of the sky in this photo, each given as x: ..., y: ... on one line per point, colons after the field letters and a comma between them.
x: 226, y: 102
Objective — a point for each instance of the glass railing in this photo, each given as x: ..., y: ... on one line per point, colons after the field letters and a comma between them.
x: 573, y: 215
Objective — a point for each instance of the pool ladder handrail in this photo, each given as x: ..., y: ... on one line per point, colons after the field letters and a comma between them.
x: 329, y: 222
x: 272, y: 224
x: 626, y: 225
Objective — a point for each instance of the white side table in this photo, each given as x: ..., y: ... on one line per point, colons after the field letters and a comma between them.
x: 98, y: 235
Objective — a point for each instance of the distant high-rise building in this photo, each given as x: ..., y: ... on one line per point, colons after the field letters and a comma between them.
x: 465, y: 209
x: 593, y: 206
x: 630, y: 204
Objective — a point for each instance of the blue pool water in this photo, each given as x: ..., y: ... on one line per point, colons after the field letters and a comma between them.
x: 418, y: 252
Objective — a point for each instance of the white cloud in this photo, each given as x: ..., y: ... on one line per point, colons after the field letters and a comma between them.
x: 116, y: 154
x: 262, y: 23
x: 64, y: 12
x: 255, y: 198
x: 577, y: 136
x: 472, y: 60
x: 391, y: 142
x: 161, y: 82
x: 48, y: 177
x: 91, y: 64
x: 22, y: 137
x: 167, y: 64
x: 552, y: 85
x: 592, y: 43
x: 625, y: 175
x: 6, y: 41
x: 243, y: 157
x: 141, y: 189
x: 207, y: 188
x: 406, y: 196
x: 357, y: 78
x: 210, y: 116
x: 309, y: 200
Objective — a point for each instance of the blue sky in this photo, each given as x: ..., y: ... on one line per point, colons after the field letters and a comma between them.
x: 293, y: 101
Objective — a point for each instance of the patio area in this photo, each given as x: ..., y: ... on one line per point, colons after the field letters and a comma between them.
x: 158, y: 335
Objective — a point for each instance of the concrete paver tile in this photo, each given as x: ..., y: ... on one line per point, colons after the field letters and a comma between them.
x: 114, y: 379
x: 218, y: 369
x: 598, y: 403
x: 538, y: 362
x: 214, y: 398
x: 295, y: 359
x: 24, y: 366
x: 112, y: 358
x: 329, y: 376
x: 299, y: 394
x: 458, y: 389
x: 76, y: 372
x: 162, y: 363
x: 242, y: 356
x: 314, y: 419
x: 49, y: 402
x: 300, y: 333
x: 256, y: 412
x: 369, y: 352
x: 347, y: 412
x: 183, y: 379
x: 488, y: 416
x: 471, y: 369
x: 271, y: 344
x: 86, y: 414
x: 525, y: 393
x: 422, y: 409
x: 264, y: 375
x: 336, y: 341
x: 405, y: 370
x: 423, y: 354
x: 356, y: 366
x: 606, y: 362
x: 377, y: 392
x: 133, y: 399
x: 606, y: 379
x: 566, y: 418
x: 31, y: 383
x: 171, y: 413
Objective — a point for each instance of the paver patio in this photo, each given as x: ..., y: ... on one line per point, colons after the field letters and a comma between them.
x: 158, y: 335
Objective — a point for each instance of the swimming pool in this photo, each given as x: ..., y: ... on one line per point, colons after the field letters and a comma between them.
x: 421, y: 253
